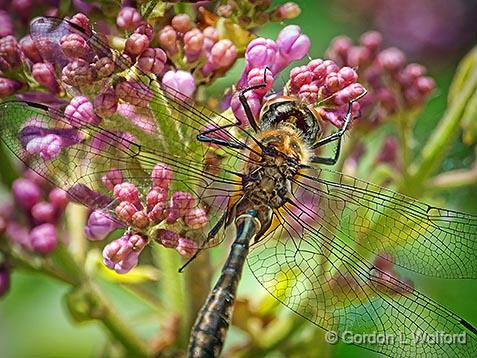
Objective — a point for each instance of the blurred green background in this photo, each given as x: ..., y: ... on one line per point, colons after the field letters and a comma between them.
x: 33, y: 321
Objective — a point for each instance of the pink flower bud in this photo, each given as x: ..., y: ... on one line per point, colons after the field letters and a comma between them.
x: 159, y: 212
x: 134, y: 92
x: 254, y: 101
x: 339, y: 49
x: 29, y: 49
x: 26, y: 193
x: 223, y: 53
x: 6, y: 26
x: 348, y: 75
x: 181, y: 23
x: 47, y: 147
x: 43, y: 239
x: 211, y: 36
x: 389, y: 152
x: 181, y: 81
x: 44, y: 74
x: 127, y: 264
x: 156, y: 195
x: 74, y: 46
x: 186, y: 247
x: 126, y: 192
x: 44, y: 212
x: 358, y: 56
x: 261, y: 52
x: 8, y: 86
x: 167, y: 238
x: 309, y: 92
x: 372, y: 40
x: 348, y: 94
x: 106, y: 103
x: 77, y: 73
x: 104, y: 67
x: 122, y: 254
x: 112, y: 178
x: 80, y: 112
x: 82, y: 21
x: 391, y: 59
x: 140, y: 220
x: 152, y: 60
x: 258, y: 76
x: 136, y: 44
x: 9, y: 52
x: 289, y: 10
x: 300, y: 76
x: 168, y: 39
x: 128, y: 18
x: 292, y: 44
x: 161, y: 176
x: 196, y: 218
x: 125, y: 211
x: 99, y: 225
x: 181, y: 203
x: 193, y: 43
x: 425, y: 85
x: 59, y: 199
x: 145, y: 29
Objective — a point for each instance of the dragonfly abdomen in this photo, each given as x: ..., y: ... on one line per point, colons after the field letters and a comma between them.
x: 211, y: 326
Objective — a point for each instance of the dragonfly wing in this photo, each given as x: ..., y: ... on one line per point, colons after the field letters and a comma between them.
x: 376, y: 221
x: 155, y: 124
x: 315, y: 274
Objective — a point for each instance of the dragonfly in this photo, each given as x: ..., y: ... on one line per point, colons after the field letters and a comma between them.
x: 308, y: 234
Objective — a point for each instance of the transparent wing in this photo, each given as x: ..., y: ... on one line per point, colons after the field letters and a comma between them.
x: 155, y: 125
x: 90, y: 151
x: 375, y: 221
x: 317, y: 275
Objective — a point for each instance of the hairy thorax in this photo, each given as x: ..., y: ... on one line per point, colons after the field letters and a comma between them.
x: 270, y: 170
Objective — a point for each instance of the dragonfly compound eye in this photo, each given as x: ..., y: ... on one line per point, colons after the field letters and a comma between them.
x: 290, y: 112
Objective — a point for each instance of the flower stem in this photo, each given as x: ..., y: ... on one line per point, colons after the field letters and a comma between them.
x: 439, y: 142
x: 133, y: 344
x: 85, y: 301
x: 455, y: 178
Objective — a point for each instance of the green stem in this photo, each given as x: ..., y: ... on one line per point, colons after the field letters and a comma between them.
x: 403, y: 122
x: 119, y: 329
x: 438, y: 144
x: 198, y: 279
x: 171, y: 287
x: 455, y: 178
x: 97, y: 306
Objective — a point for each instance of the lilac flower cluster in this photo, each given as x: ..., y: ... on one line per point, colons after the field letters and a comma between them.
x: 392, y: 84
x: 188, y: 46
x: 33, y: 227
x: 320, y: 82
x: 265, y: 59
x: 161, y: 215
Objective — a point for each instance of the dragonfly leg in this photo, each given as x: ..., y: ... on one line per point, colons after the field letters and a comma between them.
x: 203, y: 137
x: 335, y: 136
x: 210, y: 236
x: 243, y: 100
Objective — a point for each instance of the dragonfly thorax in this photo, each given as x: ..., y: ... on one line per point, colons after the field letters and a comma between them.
x: 266, y: 184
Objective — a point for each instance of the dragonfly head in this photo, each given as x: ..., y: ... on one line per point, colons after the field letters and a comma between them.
x: 291, y: 112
